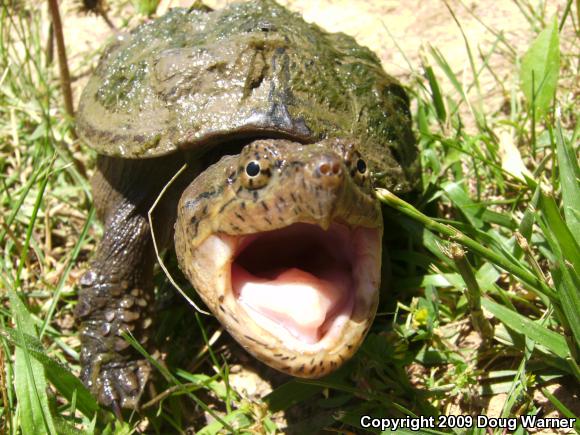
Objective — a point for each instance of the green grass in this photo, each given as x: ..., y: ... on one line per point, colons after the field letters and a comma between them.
x: 484, y: 296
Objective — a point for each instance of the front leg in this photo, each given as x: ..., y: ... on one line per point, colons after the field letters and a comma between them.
x: 116, y: 292
x: 115, y: 296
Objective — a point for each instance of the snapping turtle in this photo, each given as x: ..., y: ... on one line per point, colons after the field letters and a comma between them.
x: 284, y: 128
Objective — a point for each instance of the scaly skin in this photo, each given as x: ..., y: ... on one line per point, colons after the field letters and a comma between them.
x: 115, y: 293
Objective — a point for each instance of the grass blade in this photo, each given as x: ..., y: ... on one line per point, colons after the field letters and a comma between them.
x: 525, y: 275
x: 29, y: 376
x: 68, y: 267
x: 471, y: 210
x: 562, y: 408
x: 540, y: 69
x: 549, y: 339
x: 566, y: 242
x: 63, y: 380
x: 567, y: 252
x: 289, y: 394
x: 569, y: 177
x: 436, y: 95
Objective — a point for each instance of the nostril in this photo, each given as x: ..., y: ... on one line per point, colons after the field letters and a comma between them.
x: 324, y: 168
x: 328, y: 171
x: 329, y: 167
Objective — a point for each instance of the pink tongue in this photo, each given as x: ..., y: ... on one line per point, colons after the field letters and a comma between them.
x: 296, y: 299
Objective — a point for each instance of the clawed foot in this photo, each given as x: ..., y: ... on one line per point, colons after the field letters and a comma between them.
x: 111, y: 369
x: 119, y: 384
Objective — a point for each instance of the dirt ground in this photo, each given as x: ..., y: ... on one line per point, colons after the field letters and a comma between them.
x: 401, y: 33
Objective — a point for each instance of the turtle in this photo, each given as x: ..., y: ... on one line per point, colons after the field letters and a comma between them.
x: 284, y: 130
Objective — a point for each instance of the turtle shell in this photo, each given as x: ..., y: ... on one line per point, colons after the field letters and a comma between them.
x: 196, y: 77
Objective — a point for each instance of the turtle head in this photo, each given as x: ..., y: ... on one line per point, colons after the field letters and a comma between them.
x: 283, y: 243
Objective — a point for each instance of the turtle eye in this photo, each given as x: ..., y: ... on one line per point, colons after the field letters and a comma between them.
x: 253, y: 168
x: 255, y: 173
x: 359, y: 170
x: 361, y: 166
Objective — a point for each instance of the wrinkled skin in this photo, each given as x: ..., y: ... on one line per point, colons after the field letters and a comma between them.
x: 198, y: 85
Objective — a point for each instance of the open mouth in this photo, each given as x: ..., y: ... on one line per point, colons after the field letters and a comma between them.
x: 302, y: 283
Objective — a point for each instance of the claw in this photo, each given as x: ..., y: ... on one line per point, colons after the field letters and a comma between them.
x: 110, y: 367
x: 120, y: 384
x: 117, y: 410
